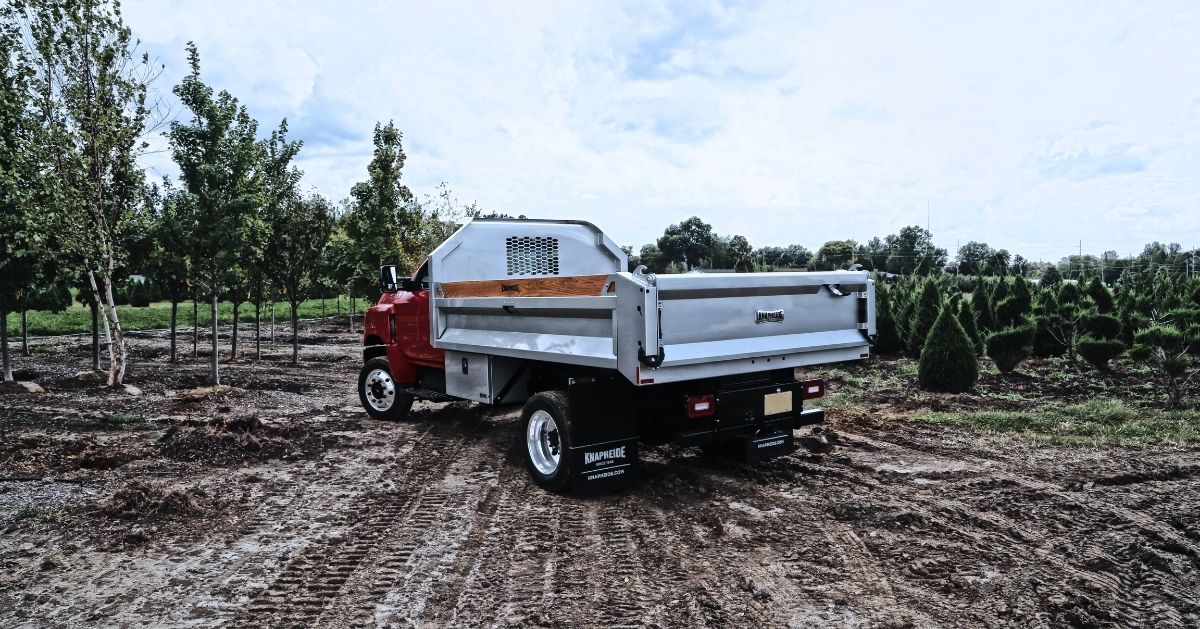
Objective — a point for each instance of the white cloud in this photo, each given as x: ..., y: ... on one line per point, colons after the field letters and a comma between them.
x: 1026, y: 125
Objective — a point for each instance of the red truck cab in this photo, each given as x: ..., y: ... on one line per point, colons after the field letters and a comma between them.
x: 398, y: 327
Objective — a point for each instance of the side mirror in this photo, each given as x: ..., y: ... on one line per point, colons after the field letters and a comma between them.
x: 388, y: 281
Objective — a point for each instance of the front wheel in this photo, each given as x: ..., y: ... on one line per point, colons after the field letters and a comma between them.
x: 545, y: 440
x: 379, y: 393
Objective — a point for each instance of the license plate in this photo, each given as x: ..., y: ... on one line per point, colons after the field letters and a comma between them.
x: 776, y: 403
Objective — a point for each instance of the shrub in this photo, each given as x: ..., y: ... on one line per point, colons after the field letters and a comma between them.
x: 1051, y: 277
x: 948, y: 358
x: 54, y: 299
x: 887, y: 339
x: 966, y: 318
x: 929, y: 304
x: 1000, y: 293
x: 981, y: 302
x: 1131, y: 321
x: 1103, y: 326
x: 1098, y: 351
x: 1164, y: 348
x: 1100, y: 294
x: 1045, y: 344
x: 1009, y: 348
x: 1012, y: 310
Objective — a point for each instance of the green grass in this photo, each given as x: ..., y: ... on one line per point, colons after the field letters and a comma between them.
x: 42, y: 514
x: 78, y: 319
x: 1095, y: 422
x: 125, y: 419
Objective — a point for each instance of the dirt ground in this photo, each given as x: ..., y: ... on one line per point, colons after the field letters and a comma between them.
x: 276, y: 502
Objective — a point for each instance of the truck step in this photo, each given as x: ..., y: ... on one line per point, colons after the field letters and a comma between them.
x: 428, y: 394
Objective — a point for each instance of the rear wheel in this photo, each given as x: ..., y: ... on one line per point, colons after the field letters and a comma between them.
x: 379, y: 393
x: 545, y: 440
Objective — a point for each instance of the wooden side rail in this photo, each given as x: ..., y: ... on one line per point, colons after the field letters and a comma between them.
x: 564, y: 286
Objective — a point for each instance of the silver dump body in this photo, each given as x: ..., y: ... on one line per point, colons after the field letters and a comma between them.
x: 557, y: 291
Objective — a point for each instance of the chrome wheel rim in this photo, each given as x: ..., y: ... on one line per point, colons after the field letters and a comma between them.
x: 542, y: 440
x: 380, y: 390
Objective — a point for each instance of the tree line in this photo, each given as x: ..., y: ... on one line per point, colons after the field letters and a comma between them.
x: 693, y: 244
x: 79, y: 215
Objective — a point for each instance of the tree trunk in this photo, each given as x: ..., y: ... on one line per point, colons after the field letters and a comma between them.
x: 117, y: 353
x: 236, y: 311
x: 322, y: 305
x: 213, y: 368
x: 272, y: 323
x: 95, y: 336
x: 25, y: 332
x: 258, y: 330
x: 339, y: 304
x: 295, y: 333
x: 351, y: 311
x: 195, y: 327
x: 174, y: 322
x: 6, y: 360
x: 258, y: 320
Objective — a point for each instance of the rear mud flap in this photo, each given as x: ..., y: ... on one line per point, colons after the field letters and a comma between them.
x: 604, y: 466
x: 765, y: 447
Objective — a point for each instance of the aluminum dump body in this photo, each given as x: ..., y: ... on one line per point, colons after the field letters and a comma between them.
x: 558, y: 292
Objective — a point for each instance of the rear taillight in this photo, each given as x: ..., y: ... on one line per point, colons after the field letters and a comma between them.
x: 701, y: 406
x: 813, y: 388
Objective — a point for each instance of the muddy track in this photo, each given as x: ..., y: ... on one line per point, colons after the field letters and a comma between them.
x: 433, y: 522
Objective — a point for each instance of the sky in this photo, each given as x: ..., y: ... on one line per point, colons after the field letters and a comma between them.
x: 1040, y: 127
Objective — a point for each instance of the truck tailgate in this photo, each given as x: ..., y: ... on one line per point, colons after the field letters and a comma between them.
x: 715, y: 323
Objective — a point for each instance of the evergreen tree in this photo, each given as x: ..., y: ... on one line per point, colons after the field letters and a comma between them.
x: 929, y: 304
x: 1051, y: 277
x: 1099, y: 352
x: 1000, y: 293
x: 948, y: 357
x: 966, y: 318
x: 1164, y: 347
x: 1100, y: 295
x: 1014, y: 308
x: 1010, y: 347
x: 1045, y: 318
x: 887, y: 340
x: 981, y: 303
x: 905, y: 297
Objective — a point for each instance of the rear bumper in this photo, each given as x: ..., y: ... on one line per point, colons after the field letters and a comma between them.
x: 741, y: 418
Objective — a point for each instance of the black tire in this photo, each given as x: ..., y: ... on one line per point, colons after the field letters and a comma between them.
x: 553, y: 403
x: 375, y: 395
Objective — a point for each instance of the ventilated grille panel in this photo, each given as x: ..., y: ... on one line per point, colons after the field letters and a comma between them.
x: 532, y: 255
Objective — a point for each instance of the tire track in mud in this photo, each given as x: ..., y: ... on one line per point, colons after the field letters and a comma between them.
x: 787, y: 563
x: 1167, y: 534
x: 269, y: 538
x: 1128, y: 583
x: 377, y: 533
x: 680, y: 597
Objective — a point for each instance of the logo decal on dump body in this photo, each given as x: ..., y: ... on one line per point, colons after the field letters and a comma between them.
x: 771, y: 444
x: 603, y: 455
x: 768, y: 316
x: 510, y: 288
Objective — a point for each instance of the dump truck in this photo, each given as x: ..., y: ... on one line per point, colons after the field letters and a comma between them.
x: 545, y: 313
